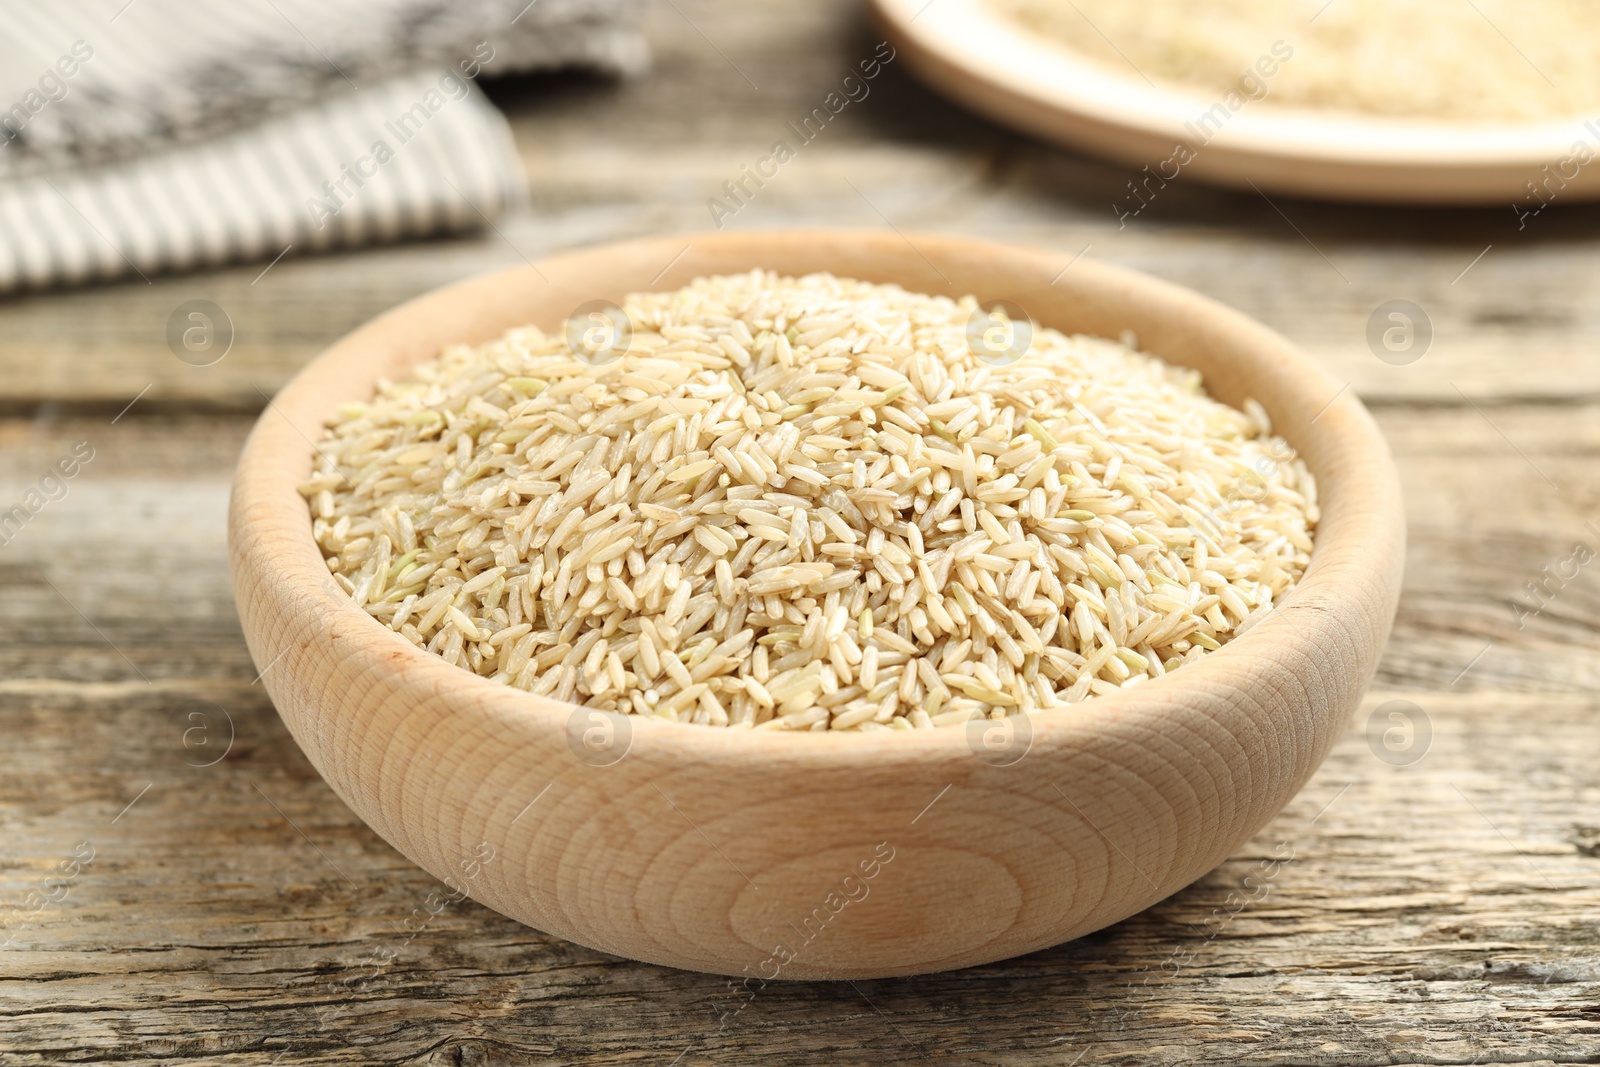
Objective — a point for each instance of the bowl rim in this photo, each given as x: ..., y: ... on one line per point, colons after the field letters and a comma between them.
x: 270, y: 526
x: 966, y: 41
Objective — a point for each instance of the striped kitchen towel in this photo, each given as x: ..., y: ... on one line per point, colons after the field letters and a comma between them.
x: 139, y: 136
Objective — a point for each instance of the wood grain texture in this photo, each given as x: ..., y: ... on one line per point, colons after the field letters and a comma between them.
x: 1405, y: 929
x: 1409, y: 928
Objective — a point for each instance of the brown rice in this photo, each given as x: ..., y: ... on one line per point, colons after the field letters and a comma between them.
x: 1476, y: 61
x: 807, y: 503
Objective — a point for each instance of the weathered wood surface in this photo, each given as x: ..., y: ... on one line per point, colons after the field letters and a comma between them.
x: 1441, y: 912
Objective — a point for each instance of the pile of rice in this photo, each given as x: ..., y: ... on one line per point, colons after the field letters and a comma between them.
x: 807, y: 503
x: 1468, y: 60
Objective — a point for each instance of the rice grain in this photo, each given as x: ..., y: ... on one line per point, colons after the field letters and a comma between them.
x: 805, y: 503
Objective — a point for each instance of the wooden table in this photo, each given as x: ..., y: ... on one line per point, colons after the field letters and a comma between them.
x: 1442, y: 899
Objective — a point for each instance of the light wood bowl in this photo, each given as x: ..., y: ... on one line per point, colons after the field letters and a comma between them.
x: 707, y: 849
x: 1007, y: 74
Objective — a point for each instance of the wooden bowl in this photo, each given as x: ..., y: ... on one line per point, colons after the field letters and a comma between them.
x: 814, y: 855
x: 1005, y: 73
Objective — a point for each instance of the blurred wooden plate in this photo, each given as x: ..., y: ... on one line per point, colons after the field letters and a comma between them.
x: 1000, y: 70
